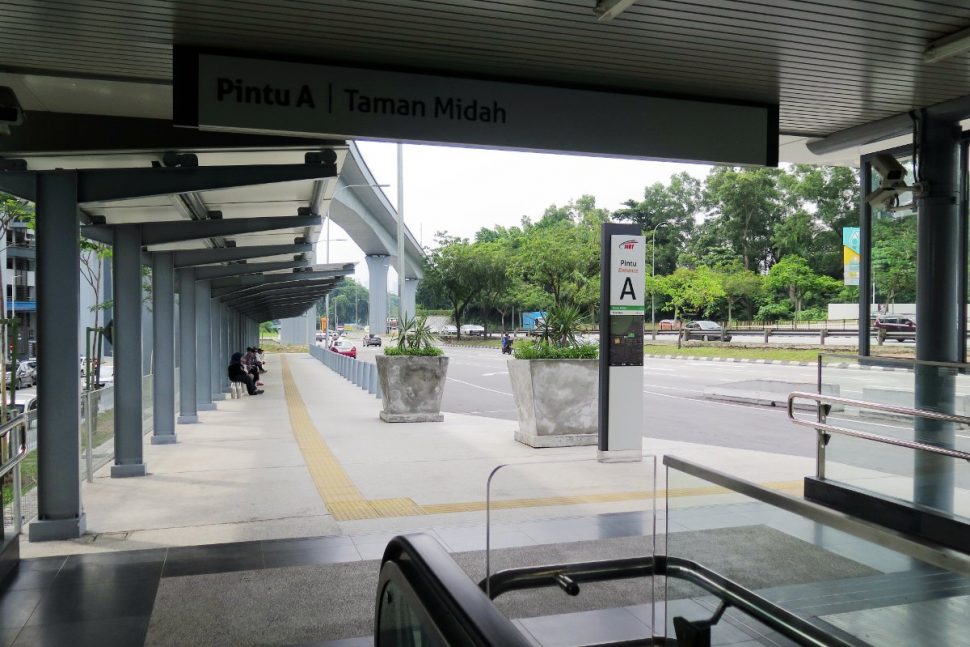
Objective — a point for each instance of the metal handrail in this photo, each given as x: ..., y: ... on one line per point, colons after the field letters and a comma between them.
x: 5, y: 429
x: 874, y: 406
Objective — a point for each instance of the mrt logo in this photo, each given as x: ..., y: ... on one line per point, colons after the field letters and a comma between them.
x: 628, y: 244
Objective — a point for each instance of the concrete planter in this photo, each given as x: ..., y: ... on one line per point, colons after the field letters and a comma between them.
x: 557, y: 401
x: 411, y: 387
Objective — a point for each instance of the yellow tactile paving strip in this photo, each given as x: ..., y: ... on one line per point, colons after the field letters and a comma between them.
x: 346, y: 503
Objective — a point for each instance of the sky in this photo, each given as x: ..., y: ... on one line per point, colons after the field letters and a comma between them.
x: 460, y: 190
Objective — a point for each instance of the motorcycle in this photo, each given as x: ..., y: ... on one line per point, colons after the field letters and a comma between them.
x: 507, y: 347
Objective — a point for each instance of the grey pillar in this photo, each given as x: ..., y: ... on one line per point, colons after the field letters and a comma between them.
x: 203, y: 345
x: 377, y: 297
x: 410, y: 297
x: 163, y: 346
x: 937, y: 303
x: 126, y: 264
x: 224, y: 347
x: 59, y: 514
x: 215, y: 323
x: 187, y: 409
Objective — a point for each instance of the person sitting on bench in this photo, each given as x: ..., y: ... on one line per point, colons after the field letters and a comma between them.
x: 238, y: 373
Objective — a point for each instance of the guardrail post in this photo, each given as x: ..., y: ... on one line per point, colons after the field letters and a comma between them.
x: 821, y: 337
x: 372, y: 380
x: 880, y: 336
x: 767, y: 332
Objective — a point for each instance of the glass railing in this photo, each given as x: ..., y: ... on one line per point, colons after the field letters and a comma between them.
x: 808, y: 573
x: 885, y: 392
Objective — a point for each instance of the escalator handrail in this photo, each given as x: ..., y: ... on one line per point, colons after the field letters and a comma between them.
x: 915, y: 547
x: 446, y: 592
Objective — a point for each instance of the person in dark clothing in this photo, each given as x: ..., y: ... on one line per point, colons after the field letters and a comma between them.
x: 238, y: 373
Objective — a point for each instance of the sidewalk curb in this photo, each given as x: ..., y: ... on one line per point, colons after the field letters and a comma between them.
x: 782, y: 362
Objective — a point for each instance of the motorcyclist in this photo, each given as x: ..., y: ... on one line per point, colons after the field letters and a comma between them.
x: 506, y: 344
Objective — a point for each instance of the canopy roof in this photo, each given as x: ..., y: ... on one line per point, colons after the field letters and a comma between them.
x: 831, y: 64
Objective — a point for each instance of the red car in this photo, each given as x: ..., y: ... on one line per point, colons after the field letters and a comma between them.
x: 344, y: 347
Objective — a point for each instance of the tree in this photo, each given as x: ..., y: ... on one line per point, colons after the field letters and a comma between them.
x: 560, y: 259
x: 793, y: 276
x: 691, y: 291
x: 459, y: 273
x: 93, y: 256
x: 831, y: 194
x: 745, y: 204
x: 894, y: 257
x: 739, y: 285
x: 496, y: 283
x: 676, y: 204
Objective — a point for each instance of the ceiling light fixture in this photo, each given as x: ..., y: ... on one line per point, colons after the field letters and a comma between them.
x: 609, y: 9
x: 943, y: 48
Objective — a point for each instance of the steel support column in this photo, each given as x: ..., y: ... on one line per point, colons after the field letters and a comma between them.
x: 187, y: 351
x: 865, y: 258
x: 59, y: 513
x: 203, y: 345
x: 377, y: 294
x: 163, y: 347
x: 127, y: 338
x: 937, y: 304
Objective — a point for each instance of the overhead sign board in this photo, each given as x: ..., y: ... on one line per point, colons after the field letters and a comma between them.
x: 218, y: 91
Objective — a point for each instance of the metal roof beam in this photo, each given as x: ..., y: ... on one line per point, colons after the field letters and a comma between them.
x: 100, y: 185
x: 236, y: 294
x: 191, y: 257
x: 178, y: 231
x: 240, y: 269
x: 249, y: 282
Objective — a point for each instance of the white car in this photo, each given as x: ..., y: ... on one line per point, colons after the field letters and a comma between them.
x: 473, y: 330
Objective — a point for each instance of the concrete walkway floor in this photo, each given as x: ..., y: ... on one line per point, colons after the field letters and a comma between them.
x: 310, y: 457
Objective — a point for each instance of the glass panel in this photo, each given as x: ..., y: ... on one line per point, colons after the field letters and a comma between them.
x: 97, y: 429
x: 400, y: 625
x: 887, y: 469
x: 567, y: 512
x: 838, y: 581
x: 894, y: 266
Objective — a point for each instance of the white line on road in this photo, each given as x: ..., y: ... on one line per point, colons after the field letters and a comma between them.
x: 495, y: 373
x: 478, y: 387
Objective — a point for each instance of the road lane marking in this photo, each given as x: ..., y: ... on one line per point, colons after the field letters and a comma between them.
x: 495, y: 373
x: 483, y: 388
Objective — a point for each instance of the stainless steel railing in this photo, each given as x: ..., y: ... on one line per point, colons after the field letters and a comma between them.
x: 13, y: 450
x: 822, y: 428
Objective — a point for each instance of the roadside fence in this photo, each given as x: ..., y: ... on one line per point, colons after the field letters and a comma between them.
x: 362, y: 374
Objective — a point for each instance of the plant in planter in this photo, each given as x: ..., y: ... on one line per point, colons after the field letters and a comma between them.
x: 555, y: 382
x: 412, y: 375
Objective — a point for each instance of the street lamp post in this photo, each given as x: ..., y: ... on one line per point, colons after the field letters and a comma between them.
x: 653, y: 281
x: 330, y: 204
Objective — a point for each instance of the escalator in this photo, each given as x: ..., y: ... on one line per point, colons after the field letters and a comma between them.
x: 425, y: 599
x: 781, y: 569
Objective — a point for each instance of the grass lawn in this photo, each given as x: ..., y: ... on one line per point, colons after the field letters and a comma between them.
x: 271, y: 346
x: 494, y: 342
x: 740, y: 352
